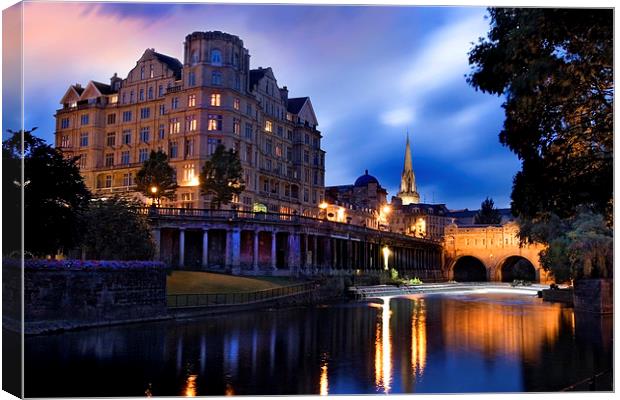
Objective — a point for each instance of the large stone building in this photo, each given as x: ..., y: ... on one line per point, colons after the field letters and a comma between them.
x: 186, y: 109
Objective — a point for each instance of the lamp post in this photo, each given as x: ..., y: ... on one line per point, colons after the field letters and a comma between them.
x: 154, y: 189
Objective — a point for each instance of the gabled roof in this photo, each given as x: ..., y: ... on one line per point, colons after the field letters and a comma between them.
x: 295, y: 105
x: 173, y: 64
x: 73, y: 93
x: 103, y: 88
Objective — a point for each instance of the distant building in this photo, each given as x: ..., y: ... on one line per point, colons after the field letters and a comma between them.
x: 187, y: 109
x: 408, y: 192
x: 419, y: 220
x: 468, y: 217
x: 363, y: 202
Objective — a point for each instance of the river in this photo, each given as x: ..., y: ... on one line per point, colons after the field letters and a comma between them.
x: 433, y: 343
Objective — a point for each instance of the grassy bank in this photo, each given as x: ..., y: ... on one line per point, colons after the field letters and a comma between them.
x: 183, y: 282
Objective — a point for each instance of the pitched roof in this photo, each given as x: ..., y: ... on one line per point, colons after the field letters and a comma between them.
x: 175, y: 65
x: 78, y: 88
x: 256, y: 75
x: 103, y: 88
x: 294, y: 105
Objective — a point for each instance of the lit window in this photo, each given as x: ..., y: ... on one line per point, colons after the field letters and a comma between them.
x: 188, y: 172
x: 191, y: 100
x: 175, y: 126
x: 114, y: 99
x: 191, y: 123
x: 236, y: 127
x: 64, y: 141
x: 151, y: 71
x: 216, y: 99
x: 268, y: 126
x: 216, y: 57
x: 237, y: 104
x: 214, y: 122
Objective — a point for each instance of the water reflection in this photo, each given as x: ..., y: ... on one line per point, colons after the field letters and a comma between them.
x: 323, y: 382
x: 190, y: 386
x: 424, y: 344
x: 383, y: 349
x: 418, y: 337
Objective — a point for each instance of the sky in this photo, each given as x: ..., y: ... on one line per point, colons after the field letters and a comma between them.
x: 373, y: 73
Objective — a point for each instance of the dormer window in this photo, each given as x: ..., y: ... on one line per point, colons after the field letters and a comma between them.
x: 216, y: 57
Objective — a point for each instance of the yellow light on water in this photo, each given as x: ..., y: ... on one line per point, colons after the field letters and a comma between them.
x: 190, y: 386
x: 324, y: 383
x: 383, y: 350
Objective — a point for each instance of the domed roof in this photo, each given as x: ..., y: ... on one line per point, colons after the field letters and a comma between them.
x: 366, y: 179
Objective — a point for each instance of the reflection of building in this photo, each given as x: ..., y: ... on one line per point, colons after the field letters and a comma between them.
x: 186, y: 109
x: 363, y: 202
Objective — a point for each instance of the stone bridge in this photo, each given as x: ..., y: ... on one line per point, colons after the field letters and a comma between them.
x: 490, y: 253
x: 249, y: 243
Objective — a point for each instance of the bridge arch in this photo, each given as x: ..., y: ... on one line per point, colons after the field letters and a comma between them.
x: 516, y: 267
x: 469, y: 269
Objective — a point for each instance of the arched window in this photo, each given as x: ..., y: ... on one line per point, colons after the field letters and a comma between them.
x: 194, y: 57
x: 216, y: 57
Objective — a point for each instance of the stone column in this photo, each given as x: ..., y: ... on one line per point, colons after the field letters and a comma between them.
x: 304, y: 256
x: 156, y: 234
x: 181, y: 248
x: 273, y: 251
x: 328, y: 258
x: 349, y: 263
x: 236, y: 250
x: 294, y: 252
x: 205, y: 248
x: 255, y: 258
x: 315, y: 253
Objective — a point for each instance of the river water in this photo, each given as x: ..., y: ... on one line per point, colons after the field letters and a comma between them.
x: 439, y: 343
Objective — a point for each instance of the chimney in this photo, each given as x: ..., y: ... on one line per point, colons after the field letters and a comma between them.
x: 115, y: 82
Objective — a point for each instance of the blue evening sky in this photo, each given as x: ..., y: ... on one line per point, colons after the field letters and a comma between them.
x: 372, y: 73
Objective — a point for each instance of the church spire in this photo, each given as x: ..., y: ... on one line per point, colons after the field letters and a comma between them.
x: 408, y: 191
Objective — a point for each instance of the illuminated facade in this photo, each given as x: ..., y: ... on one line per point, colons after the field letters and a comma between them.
x: 186, y: 109
x: 419, y: 220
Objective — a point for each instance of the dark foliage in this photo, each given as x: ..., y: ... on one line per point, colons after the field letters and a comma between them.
x: 221, y: 177
x: 156, y: 172
x: 555, y: 68
x: 115, y: 231
x: 488, y: 214
x: 54, y: 194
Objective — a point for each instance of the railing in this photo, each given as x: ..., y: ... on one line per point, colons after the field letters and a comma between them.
x: 228, y: 215
x: 173, y: 89
x: 240, y: 298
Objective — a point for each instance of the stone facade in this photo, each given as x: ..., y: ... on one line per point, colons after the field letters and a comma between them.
x: 419, y: 220
x: 186, y: 109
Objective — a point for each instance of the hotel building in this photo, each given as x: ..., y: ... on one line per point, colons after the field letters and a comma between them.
x: 187, y: 109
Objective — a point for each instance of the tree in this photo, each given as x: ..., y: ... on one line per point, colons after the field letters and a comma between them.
x: 115, y: 231
x: 555, y: 69
x: 488, y: 214
x: 158, y: 174
x: 54, y: 193
x: 221, y: 176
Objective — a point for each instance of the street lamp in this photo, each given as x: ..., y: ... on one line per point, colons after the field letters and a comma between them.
x: 154, y: 189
